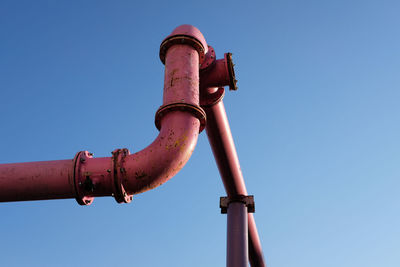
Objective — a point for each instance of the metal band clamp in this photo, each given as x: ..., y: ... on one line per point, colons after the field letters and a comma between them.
x: 247, y: 200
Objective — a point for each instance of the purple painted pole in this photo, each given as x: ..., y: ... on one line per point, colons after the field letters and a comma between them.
x: 237, y: 239
x: 223, y: 147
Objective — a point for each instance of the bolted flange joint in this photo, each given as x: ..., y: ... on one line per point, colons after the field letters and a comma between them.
x: 188, y: 35
x: 83, y: 184
x: 247, y: 200
x: 209, y: 59
x: 118, y: 174
x: 195, y: 110
x: 181, y: 39
x: 217, y: 73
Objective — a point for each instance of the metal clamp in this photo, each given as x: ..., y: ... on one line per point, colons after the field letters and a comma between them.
x: 118, y: 173
x: 247, y: 200
x: 195, y: 110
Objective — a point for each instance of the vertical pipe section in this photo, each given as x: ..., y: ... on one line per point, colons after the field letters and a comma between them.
x: 237, y: 238
x: 181, y: 77
x: 221, y: 141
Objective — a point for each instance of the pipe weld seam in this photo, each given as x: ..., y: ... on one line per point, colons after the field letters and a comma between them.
x: 197, y: 111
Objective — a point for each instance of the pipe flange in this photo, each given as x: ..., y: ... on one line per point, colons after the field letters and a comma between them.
x: 195, y: 110
x: 181, y: 39
x: 118, y: 174
x: 209, y: 59
x: 82, y: 185
x: 208, y: 100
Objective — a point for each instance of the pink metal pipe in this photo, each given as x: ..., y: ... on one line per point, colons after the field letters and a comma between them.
x: 219, y: 73
x: 36, y: 180
x: 180, y: 120
x: 171, y: 150
x: 223, y: 147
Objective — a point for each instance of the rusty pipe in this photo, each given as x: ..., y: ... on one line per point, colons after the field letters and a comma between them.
x: 180, y: 119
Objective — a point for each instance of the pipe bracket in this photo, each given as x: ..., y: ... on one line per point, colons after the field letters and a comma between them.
x: 197, y: 111
x: 118, y: 174
x: 83, y: 185
x: 247, y: 200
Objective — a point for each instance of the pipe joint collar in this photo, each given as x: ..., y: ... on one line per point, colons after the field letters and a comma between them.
x: 181, y: 39
x: 118, y: 174
x: 83, y: 185
x: 197, y: 111
x: 185, y: 34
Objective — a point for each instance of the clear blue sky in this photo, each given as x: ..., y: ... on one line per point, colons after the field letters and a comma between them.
x: 316, y: 121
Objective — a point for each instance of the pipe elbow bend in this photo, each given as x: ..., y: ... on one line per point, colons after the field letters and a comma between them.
x: 179, y: 120
x: 166, y: 156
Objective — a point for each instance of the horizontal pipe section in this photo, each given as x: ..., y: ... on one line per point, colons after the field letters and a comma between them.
x: 36, y: 180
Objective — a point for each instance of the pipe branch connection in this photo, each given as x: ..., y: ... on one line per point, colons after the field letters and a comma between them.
x: 214, y: 75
